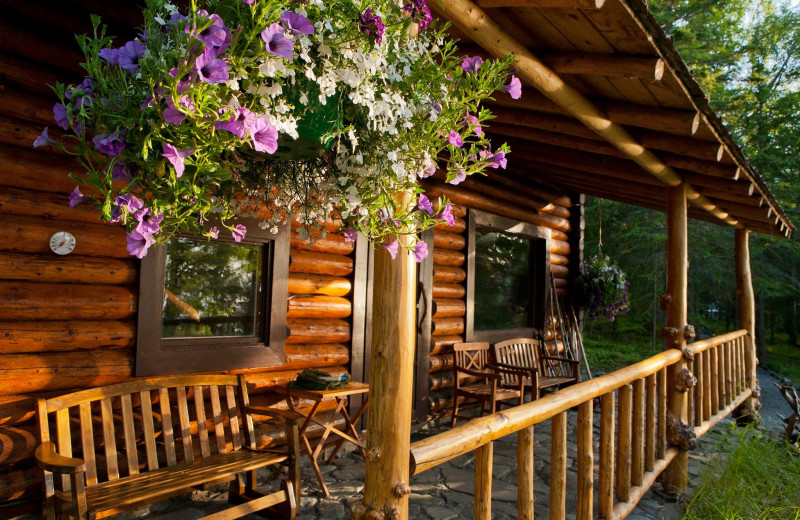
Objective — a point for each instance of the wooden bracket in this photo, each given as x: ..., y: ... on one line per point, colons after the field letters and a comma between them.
x: 680, y: 434
x: 685, y: 381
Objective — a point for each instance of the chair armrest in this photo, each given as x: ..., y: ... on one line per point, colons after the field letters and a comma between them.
x: 49, y: 460
x: 490, y: 375
x: 276, y: 413
x: 513, y: 370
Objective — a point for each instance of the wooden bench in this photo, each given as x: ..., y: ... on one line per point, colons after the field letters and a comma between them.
x: 527, y: 353
x: 177, y: 448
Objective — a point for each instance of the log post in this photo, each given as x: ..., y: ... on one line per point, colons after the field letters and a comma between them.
x: 676, y: 475
x: 747, y: 307
x: 391, y: 380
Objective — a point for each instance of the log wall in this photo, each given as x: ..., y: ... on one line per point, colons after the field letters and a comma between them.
x: 502, y: 194
x: 70, y: 322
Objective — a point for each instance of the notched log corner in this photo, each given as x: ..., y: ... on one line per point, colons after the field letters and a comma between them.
x: 680, y: 434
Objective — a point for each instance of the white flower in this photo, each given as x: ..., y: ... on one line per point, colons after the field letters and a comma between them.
x: 304, y: 98
x: 159, y: 20
x: 233, y: 84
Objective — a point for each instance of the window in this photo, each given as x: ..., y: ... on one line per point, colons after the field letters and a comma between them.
x: 213, y: 305
x: 507, y: 272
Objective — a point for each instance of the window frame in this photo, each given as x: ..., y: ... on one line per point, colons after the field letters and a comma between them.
x: 541, y: 242
x: 156, y: 355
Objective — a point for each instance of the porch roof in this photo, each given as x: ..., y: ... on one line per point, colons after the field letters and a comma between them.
x: 610, y: 109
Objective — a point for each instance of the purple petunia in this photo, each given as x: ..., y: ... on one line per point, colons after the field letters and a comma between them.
x: 111, y: 56
x: 276, y: 41
x: 248, y: 2
x: 455, y: 139
x: 176, y: 157
x: 211, y: 69
x: 460, y: 177
x: 238, y: 232
x: 239, y: 123
x: 129, y: 55
x: 149, y: 223
x: 172, y: 114
x: 120, y: 172
x: 297, y: 23
x: 497, y: 160
x: 130, y: 202
x: 447, y: 214
x: 420, y: 251
x: 139, y: 243
x: 372, y: 24
x: 264, y: 135
x: 60, y: 115
x: 424, y: 204
x: 471, y: 64
x: 391, y: 247
x: 430, y: 169
x: 514, y: 87
x: 82, y: 93
x: 214, y: 35
x: 76, y: 197
x: 475, y: 124
x: 44, y: 139
x: 213, y: 232
x: 109, y: 144
x: 350, y: 235
x: 419, y: 12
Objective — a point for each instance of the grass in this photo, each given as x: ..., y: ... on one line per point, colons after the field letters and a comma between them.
x: 610, y: 348
x: 783, y: 358
x: 759, y: 479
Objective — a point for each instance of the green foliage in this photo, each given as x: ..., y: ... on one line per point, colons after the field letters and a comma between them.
x: 758, y: 478
x: 783, y: 358
x: 602, y: 288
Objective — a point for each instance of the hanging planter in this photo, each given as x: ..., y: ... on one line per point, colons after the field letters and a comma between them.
x: 601, y: 289
x: 295, y: 110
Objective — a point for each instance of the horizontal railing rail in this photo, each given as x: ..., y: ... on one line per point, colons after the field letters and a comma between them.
x: 633, y: 447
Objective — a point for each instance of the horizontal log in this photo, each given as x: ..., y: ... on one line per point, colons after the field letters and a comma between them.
x: 26, y: 373
x: 274, y: 433
x: 687, y: 146
x: 447, y: 308
x: 441, y: 400
x: 21, y: 134
x: 31, y: 75
x: 440, y: 363
x: 28, y: 106
x: 538, y: 197
x: 456, y: 210
x: 559, y: 271
x: 300, y: 356
x: 441, y: 380
x: 32, y: 235
x: 21, y: 483
x: 459, y: 226
x: 318, y: 307
x: 445, y: 240
x: 448, y: 290
x: 17, y: 39
x: 312, y: 262
x: 50, y: 301
x: 19, y: 201
x: 317, y: 331
x: 68, y: 269
x: 267, y: 381
x: 623, y: 66
x: 556, y: 234
x: 332, y: 243
x: 441, y: 344
x: 35, y: 170
x: 20, y: 337
x: 448, y: 258
x: 447, y: 326
x: 542, y: 4
x: 561, y: 282
x: 497, y: 206
x: 559, y: 247
x: 300, y: 283
x: 556, y: 259
x: 19, y: 408
x: 514, y: 193
x: 446, y: 274
x: 17, y: 444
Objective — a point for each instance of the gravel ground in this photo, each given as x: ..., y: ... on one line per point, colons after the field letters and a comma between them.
x: 772, y: 402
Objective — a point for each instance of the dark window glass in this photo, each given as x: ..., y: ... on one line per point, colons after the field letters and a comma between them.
x: 212, y: 289
x: 503, y: 281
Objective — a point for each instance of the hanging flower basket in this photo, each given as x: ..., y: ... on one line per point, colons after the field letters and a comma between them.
x: 601, y: 289
x: 295, y: 110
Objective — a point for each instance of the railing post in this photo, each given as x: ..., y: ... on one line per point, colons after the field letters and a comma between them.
x: 676, y: 475
x: 747, y: 319
x: 386, y: 486
x: 525, y: 473
x: 483, y: 482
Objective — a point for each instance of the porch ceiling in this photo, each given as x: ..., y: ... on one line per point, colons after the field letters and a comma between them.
x: 619, y: 63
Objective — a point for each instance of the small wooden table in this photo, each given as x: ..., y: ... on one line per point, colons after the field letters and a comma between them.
x: 348, y: 433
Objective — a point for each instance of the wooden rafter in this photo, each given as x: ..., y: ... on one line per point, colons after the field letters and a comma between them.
x: 561, y: 4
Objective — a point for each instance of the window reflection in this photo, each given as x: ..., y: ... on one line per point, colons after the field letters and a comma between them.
x: 503, y: 281
x: 212, y: 289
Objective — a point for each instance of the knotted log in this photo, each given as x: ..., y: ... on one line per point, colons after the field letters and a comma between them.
x: 442, y: 344
x: 68, y: 269
x: 29, y: 337
x: 445, y: 240
x: 312, y: 262
x: 443, y: 273
x: 448, y: 258
x: 447, y: 326
x: 29, y: 301
x: 318, y: 307
x: 32, y: 235
x: 317, y: 330
x: 300, y: 283
x: 448, y: 290
x: 447, y: 308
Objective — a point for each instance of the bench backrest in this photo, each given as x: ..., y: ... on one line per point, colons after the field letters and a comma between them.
x: 523, y: 352
x: 129, y: 428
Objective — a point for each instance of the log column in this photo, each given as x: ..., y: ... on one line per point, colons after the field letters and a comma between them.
x: 748, y: 411
x: 391, y: 380
x: 676, y: 475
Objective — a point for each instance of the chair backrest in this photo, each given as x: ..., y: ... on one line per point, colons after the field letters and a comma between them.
x: 129, y: 428
x: 471, y: 356
x: 523, y: 352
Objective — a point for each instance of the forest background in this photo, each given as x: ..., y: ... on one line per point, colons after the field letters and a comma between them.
x: 746, y: 56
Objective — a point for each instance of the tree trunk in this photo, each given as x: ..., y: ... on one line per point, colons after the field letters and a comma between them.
x: 761, y: 342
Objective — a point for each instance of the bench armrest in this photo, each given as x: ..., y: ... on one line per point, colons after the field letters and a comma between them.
x: 49, y: 460
x: 561, y: 359
x: 513, y: 370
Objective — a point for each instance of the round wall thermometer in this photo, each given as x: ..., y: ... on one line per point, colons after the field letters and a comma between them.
x: 62, y: 243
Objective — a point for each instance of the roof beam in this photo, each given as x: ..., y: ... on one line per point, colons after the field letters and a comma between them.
x: 561, y: 4
x: 609, y: 65
x: 471, y: 19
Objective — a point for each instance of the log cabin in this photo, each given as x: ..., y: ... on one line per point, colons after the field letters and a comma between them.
x: 608, y: 110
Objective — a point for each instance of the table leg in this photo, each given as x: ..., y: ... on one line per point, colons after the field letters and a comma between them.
x: 350, y: 425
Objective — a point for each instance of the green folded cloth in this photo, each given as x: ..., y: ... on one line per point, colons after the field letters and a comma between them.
x: 311, y: 379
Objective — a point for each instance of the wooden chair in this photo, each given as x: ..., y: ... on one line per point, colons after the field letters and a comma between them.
x: 528, y: 353
x: 476, y: 379
x: 151, y: 439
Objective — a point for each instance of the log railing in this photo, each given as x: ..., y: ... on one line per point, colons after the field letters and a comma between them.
x: 633, y: 447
